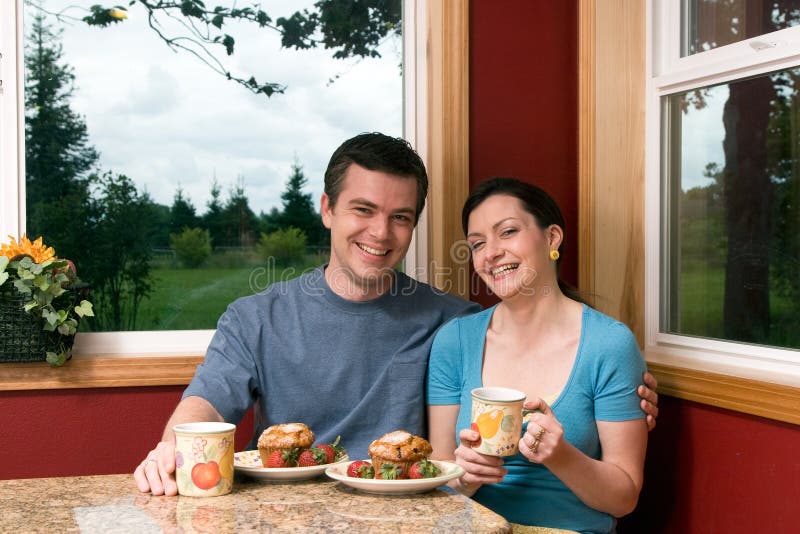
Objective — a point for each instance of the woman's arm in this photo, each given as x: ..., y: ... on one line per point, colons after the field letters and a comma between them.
x: 611, y: 484
x: 479, y: 468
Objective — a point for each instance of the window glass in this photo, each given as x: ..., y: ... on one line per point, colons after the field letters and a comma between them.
x: 174, y: 189
x: 708, y: 24
x: 731, y: 211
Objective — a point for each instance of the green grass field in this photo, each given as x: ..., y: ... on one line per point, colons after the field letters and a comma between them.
x: 193, y: 299
x: 702, y: 292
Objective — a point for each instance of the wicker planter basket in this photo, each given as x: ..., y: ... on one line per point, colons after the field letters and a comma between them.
x: 21, y: 336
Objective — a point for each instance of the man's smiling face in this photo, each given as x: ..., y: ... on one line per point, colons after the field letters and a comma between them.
x: 371, y: 227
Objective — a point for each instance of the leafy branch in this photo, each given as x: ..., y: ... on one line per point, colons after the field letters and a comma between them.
x: 351, y: 28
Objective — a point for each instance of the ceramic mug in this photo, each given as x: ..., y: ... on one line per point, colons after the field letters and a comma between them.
x: 204, y: 458
x: 497, y: 416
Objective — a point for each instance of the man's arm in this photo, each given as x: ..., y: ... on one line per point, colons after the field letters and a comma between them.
x: 156, y: 473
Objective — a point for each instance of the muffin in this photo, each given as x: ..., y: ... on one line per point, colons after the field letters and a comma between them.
x: 282, y: 437
x: 399, y: 448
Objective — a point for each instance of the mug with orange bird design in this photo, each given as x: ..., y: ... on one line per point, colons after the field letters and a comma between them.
x: 497, y: 416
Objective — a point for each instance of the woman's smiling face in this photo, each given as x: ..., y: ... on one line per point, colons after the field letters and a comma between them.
x: 510, y: 252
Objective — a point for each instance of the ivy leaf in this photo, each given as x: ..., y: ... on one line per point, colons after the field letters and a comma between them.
x: 3, y: 263
x: 22, y: 287
x: 3, y: 277
x: 51, y: 318
x: 30, y: 305
x: 84, y: 309
x: 63, y: 329
x: 217, y: 21
x: 57, y: 360
x: 41, y: 282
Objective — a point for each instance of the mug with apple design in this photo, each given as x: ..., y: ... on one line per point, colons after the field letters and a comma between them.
x: 204, y: 458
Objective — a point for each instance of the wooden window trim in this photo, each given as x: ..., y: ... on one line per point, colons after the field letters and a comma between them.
x: 612, y: 101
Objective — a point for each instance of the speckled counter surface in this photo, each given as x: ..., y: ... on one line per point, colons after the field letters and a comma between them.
x: 111, y: 503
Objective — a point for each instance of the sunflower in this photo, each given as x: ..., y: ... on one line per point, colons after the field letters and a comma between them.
x: 36, y: 250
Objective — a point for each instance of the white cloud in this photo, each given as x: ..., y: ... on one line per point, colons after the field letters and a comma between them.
x: 166, y: 119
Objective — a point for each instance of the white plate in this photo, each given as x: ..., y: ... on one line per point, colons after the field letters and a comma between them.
x: 395, y: 487
x: 249, y: 463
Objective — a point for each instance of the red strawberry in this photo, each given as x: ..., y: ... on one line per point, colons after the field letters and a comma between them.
x: 390, y: 471
x: 283, y: 458
x: 474, y: 426
x: 360, y: 469
x: 333, y: 450
x: 424, y: 469
x: 312, y: 457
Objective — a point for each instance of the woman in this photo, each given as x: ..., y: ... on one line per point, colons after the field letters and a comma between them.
x: 581, y: 455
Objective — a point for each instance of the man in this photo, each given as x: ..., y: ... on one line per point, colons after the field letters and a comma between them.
x: 343, y: 348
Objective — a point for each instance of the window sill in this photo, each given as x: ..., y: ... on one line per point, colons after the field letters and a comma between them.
x: 100, y: 372
x: 764, y: 399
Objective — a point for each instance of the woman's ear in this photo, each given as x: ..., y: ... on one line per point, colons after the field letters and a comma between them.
x: 555, y: 235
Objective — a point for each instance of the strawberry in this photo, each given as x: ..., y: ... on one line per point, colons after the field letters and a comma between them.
x: 333, y: 450
x: 312, y: 457
x: 360, y: 469
x: 283, y: 458
x: 390, y: 471
x: 474, y: 426
x: 424, y: 469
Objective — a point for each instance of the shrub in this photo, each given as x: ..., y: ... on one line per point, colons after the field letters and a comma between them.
x: 284, y: 246
x: 192, y: 246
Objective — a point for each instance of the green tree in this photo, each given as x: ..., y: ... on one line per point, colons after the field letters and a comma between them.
x: 284, y: 247
x: 298, y: 208
x: 239, y: 222
x: 181, y: 214
x: 351, y: 28
x: 212, y: 218
x: 58, y: 156
x: 119, y: 252
x: 192, y: 246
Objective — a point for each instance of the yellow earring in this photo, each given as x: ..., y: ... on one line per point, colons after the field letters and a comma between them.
x: 554, y: 255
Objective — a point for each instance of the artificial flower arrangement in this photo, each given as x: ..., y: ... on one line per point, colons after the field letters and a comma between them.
x: 46, y: 287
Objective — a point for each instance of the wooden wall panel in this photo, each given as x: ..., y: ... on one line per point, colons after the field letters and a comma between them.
x: 448, y: 140
x: 612, y: 103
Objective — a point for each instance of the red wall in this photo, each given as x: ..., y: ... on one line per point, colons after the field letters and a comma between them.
x: 85, y: 431
x: 708, y: 470
x: 523, y: 104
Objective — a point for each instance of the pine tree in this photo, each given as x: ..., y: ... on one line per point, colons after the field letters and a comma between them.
x: 212, y: 218
x: 58, y: 155
x: 182, y: 213
x: 241, y: 226
x: 298, y: 208
x: 57, y: 150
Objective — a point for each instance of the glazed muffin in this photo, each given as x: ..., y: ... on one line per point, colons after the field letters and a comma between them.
x: 399, y: 448
x: 283, y: 437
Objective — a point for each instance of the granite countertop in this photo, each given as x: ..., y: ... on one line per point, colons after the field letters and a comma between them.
x: 111, y: 503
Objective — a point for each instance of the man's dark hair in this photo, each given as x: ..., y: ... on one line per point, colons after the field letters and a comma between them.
x: 377, y: 152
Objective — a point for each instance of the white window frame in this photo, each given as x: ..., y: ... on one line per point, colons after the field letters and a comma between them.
x: 668, y: 73
x: 179, y: 343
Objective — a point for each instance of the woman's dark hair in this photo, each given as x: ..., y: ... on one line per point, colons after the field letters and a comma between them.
x: 377, y: 152
x: 534, y: 200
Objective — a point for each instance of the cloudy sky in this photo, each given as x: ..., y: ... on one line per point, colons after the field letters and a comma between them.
x: 164, y: 118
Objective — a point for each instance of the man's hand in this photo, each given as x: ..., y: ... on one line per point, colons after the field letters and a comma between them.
x: 649, y: 402
x: 156, y: 473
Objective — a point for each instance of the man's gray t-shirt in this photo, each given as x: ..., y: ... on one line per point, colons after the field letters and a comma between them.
x: 304, y: 354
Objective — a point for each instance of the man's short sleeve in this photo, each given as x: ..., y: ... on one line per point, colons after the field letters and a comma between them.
x: 444, y: 367
x: 227, y: 378
x: 619, y: 374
